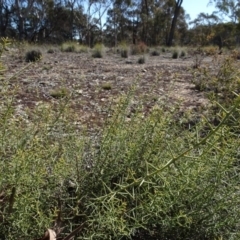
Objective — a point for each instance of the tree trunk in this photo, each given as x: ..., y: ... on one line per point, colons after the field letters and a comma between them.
x: 174, y: 22
x: 4, y: 20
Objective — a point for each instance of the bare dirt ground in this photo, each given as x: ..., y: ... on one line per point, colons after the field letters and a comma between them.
x: 96, y: 83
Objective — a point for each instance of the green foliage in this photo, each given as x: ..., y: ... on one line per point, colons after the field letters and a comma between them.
x: 183, y: 53
x: 155, y: 53
x: 124, y: 49
x: 124, y: 53
x: 152, y: 179
x: 33, y: 56
x: 141, y: 60
x: 221, y: 84
x: 139, y: 48
x: 139, y: 178
x: 98, y: 51
x: 73, y: 47
x: 59, y: 93
x: 107, y: 86
x: 4, y: 42
x: 69, y: 49
x: 210, y: 50
x: 175, y: 54
x: 50, y: 50
x: 82, y: 48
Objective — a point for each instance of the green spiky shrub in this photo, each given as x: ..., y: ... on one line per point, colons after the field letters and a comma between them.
x: 221, y: 84
x: 138, y: 178
x: 152, y: 180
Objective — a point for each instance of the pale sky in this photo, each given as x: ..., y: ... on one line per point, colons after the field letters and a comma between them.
x: 194, y: 7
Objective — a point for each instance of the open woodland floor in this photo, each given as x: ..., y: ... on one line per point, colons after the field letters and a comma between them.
x: 96, y: 83
x: 119, y: 150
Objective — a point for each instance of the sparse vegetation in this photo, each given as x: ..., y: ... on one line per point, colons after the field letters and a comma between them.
x: 68, y: 48
x: 98, y: 51
x: 33, y: 56
x: 183, y: 53
x: 144, y: 175
x: 175, y: 54
x: 139, y: 48
x: 155, y: 53
x: 124, y: 53
x: 123, y: 49
x: 197, y: 60
x: 50, y: 50
x: 59, y: 93
x: 210, y: 50
x: 141, y: 60
x: 73, y: 47
x: 107, y: 86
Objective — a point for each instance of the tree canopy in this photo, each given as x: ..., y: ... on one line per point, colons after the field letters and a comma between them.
x: 154, y: 22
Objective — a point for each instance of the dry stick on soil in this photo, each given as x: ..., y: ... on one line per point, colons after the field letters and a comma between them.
x: 74, y: 232
x: 25, y: 67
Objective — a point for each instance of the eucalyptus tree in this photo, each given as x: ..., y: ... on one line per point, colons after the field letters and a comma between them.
x: 177, y: 8
x: 229, y: 29
x: 23, y: 9
x: 204, y: 28
x: 6, y: 11
x: 229, y: 9
x: 120, y: 21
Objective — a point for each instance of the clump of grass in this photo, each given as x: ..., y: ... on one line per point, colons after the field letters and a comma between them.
x: 59, y: 93
x: 98, y: 51
x: 33, y: 56
x: 210, y: 50
x: 183, y: 53
x: 107, y: 86
x: 139, y: 48
x: 123, y: 50
x: 155, y: 53
x: 124, y: 53
x: 47, y: 67
x: 69, y: 47
x: 235, y: 54
x: 50, y: 50
x: 197, y: 61
x: 82, y: 48
x: 175, y: 54
x: 74, y: 47
x: 223, y: 83
x: 141, y: 60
